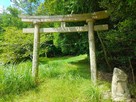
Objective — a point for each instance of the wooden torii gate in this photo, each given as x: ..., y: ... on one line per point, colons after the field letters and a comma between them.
x: 90, y: 28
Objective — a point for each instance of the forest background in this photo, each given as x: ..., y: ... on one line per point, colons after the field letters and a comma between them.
x: 114, y: 48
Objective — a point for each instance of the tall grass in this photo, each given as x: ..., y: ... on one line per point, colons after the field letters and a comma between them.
x: 15, y: 79
x: 62, y: 80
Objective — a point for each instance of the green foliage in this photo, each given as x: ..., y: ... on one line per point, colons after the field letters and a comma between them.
x: 120, y: 39
x: 13, y: 11
x: 10, y: 18
x: 65, y: 77
x: 72, y: 44
x: 69, y: 6
x: 119, y: 10
x: 16, y: 45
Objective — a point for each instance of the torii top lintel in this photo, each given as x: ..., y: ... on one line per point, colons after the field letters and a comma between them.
x: 66, y: 18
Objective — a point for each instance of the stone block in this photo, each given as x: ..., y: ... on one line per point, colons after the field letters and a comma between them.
x: 120, y: 90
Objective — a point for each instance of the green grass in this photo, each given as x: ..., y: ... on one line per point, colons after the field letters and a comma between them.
x: 64, y: 79
x: 15, y: 79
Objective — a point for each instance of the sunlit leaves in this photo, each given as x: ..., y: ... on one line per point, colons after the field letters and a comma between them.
x: 16, y: 45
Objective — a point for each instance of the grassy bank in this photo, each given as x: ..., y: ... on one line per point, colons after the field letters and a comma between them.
x: 65, y: 79
x: 15, y: 79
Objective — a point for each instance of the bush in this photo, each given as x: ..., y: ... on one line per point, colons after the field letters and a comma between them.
x: 16, y: 46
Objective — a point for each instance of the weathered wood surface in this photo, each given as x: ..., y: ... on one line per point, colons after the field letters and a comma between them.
x: 36, y: 45
x: 63, y: 24
x: 64, y: 29
x: 66, y: 18
x: 92, y: 52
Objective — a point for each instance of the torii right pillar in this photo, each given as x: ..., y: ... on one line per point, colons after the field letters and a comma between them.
x: 91, y: 38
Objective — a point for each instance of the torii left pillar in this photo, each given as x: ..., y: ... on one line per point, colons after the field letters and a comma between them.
x: 91, y: 38
x: 36, y: 45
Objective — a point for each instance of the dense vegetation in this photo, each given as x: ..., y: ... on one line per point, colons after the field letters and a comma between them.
x: 117, y: 45
x: 114, y: 48
x: 63, y: 79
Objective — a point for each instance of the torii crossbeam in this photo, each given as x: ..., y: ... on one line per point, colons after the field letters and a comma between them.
x: 90, y: 28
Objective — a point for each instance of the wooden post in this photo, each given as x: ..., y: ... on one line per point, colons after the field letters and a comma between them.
x: 36, y: 52
x: 63, y: 24
x: 92, y: 51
